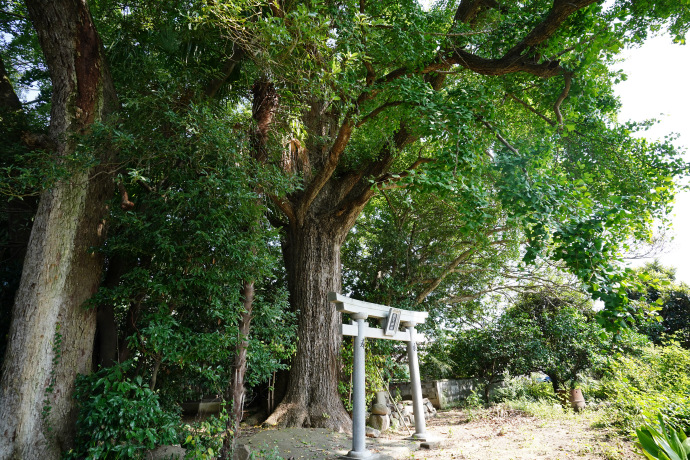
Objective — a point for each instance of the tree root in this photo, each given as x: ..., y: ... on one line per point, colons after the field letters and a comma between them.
x: 296, y: 414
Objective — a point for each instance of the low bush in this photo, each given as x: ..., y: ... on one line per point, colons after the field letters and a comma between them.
x: 203, y: 440
x: 657, y: 382
x: 522, y: 388
x: 119, y: 417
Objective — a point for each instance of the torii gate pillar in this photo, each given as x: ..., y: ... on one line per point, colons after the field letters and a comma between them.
x: 415, y: 380
x: 359, y: 449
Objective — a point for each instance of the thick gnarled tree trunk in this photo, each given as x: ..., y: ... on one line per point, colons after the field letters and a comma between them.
x: 51, y: 336
x: 312, y: 256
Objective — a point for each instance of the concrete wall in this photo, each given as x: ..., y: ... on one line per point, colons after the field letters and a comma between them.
x: 441, y: 393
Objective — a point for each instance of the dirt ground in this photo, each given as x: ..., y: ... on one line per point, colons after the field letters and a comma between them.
x: 493, y: 434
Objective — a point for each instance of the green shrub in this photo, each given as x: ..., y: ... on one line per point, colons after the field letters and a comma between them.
x: 510, y: 389
x: 119, y: 417
x: 657, y: 382
x: 204, y: 439
x: 522, y: 388
x: 539, y: 391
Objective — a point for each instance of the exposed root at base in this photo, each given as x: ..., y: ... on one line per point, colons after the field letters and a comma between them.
x: 318, y: 416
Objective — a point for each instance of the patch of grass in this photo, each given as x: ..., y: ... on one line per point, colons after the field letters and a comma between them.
x: 266, y: 453
x: 612, y: 446
x: 610, y: 452
x: 542, y: 409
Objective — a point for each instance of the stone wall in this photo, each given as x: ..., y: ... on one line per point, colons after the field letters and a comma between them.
x: 441, y: 393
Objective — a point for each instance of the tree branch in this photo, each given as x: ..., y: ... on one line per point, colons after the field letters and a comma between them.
x: 447, y: 271
x: 371, y: 74
x: 277, y: 9
x: 285, y: 206
x: 532, y: 109
x: 514, y: 60
x: 503, y: 66
x: 125, y: 204
x: 14, y: 15
x: 228, y: 68
x: 462, y: 34
x: 276, y: 221
x: 568, y: 77
x: 501, y: 138
x: 145, y: 185
x: 377, y: 111
x: 468, y: 10
x: 560, y: 11
x: 359, y: 189
x: 325, y: 173
x: 390, y: 177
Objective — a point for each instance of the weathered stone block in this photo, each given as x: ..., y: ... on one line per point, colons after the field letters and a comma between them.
x: 242, y: 452
x: 380, y: 422
x: 372, y: 432
x: 166, y: 452
x: 380, y: 409
x: 382, y: 397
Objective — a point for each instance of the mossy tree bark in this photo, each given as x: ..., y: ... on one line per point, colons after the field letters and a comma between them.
x: 312, y: 254
x: 51, y: 336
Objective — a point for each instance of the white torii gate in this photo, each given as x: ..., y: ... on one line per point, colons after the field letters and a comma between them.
x: 394, y: 317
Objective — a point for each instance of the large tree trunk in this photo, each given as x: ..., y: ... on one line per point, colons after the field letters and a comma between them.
x: 312, y: 256
x: 319, y: 218
x: 51, y: 336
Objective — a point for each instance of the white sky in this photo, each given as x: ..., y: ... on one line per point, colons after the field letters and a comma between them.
x: 658, y: 87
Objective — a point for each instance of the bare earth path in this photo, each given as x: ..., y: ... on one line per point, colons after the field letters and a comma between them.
x: 494, y: 434
x: 504, y: 434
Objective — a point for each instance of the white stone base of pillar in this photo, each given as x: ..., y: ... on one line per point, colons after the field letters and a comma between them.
x: 360, y: 454
x: 371, y: 456
x: 418, y: 437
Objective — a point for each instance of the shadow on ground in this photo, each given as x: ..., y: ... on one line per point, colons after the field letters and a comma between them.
x: 322, y: 444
